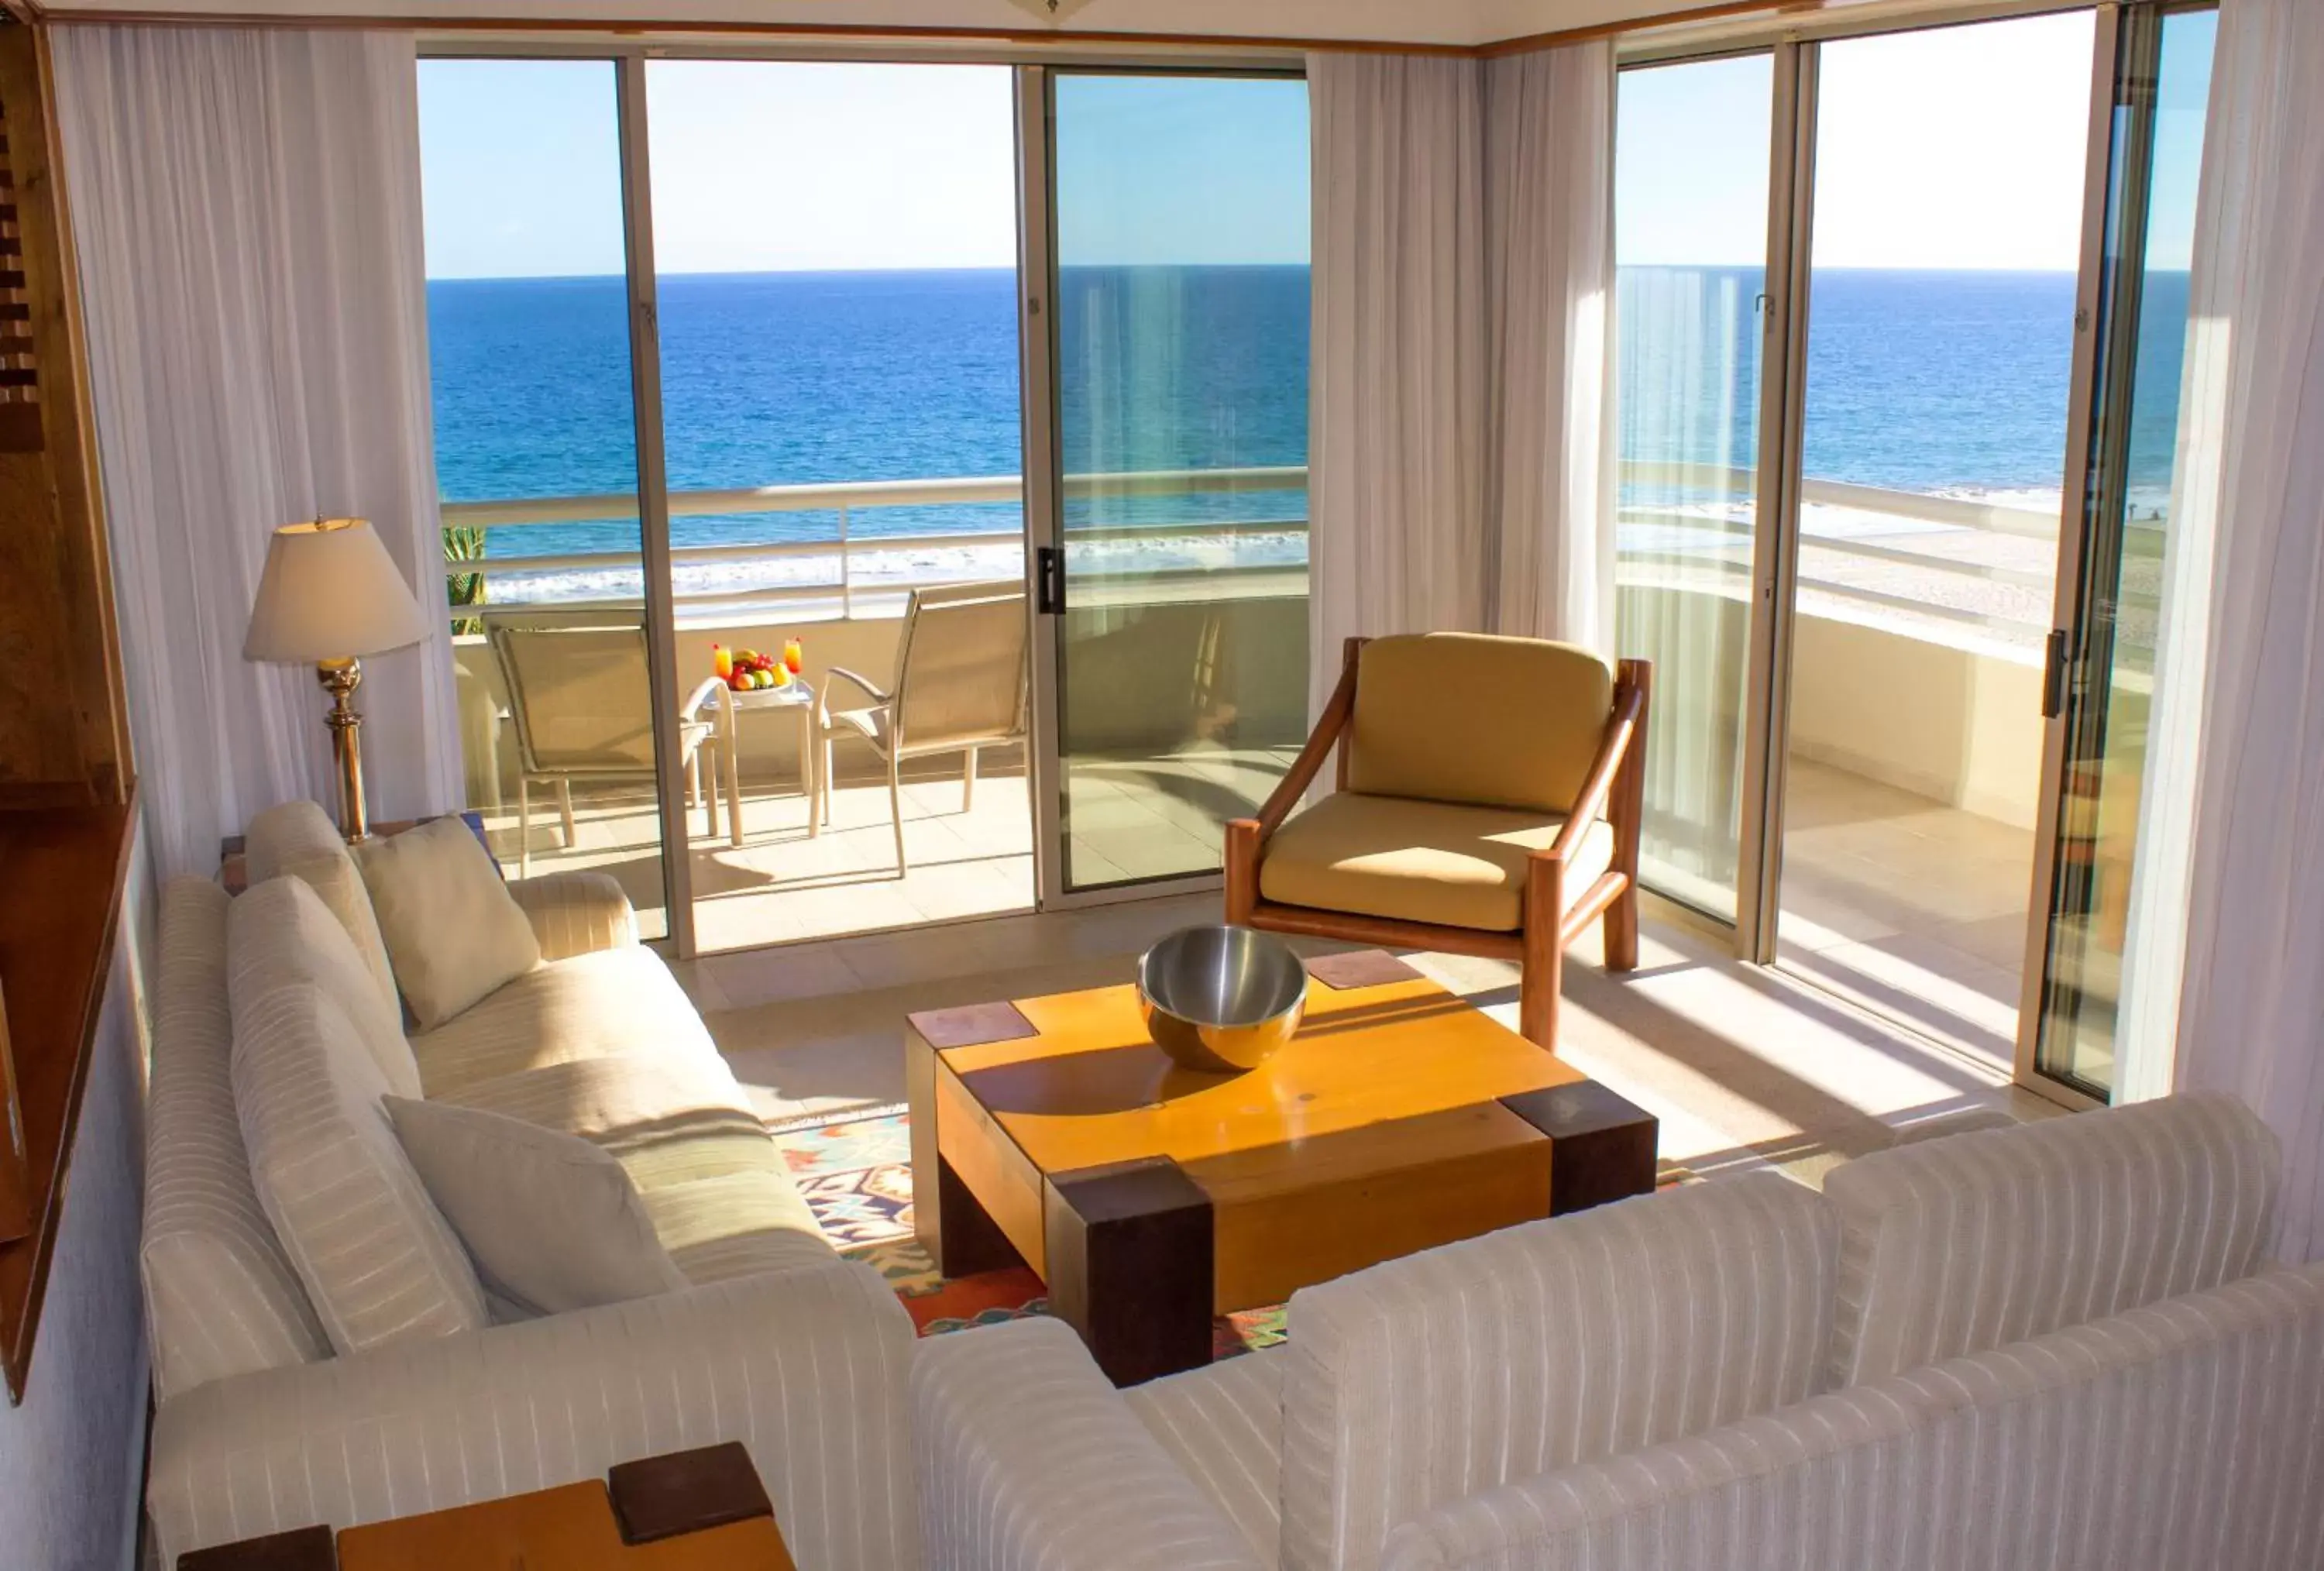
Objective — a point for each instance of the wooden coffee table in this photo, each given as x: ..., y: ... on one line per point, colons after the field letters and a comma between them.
x: 1151, y: 1198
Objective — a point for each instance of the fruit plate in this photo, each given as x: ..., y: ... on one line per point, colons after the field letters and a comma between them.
x: 789, y: 690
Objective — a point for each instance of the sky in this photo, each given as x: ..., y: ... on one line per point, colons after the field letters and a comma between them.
x: 1959, y: 147
x: 761, y: 166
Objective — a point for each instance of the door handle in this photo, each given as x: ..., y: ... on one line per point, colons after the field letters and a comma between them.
x: 2054, y: 677
x: 1049, y: 580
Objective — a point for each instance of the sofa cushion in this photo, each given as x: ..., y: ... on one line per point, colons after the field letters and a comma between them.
x: 287, y: 934
x: 298, y: 839
x: 1953, y: 1246
x: 1421, y: 862
x: 634, y: 1096
x: 735, y: 1224
x: 1223, y: 1424
x: 1468, y: 718
x: 454, y: 932
x: 221, y: 1297
x: 378, y: 1262
x: 592, y: 1006
x: 1426, y: 1379
x: 551, y: 1222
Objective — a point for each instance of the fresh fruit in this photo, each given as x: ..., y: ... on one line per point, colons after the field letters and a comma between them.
x: 740, y: 681
x: 722, y: 663
x: 765, y: 678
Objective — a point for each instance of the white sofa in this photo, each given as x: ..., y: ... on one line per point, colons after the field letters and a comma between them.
x: 2057, y: 1346
x: 262, y: 1426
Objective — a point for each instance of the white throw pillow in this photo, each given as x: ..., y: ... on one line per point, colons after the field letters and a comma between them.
x: 551, y: 1222
x: 283, y: 932
x: 454, y: 932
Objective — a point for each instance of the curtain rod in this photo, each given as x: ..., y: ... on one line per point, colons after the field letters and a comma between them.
x: 36, y: 12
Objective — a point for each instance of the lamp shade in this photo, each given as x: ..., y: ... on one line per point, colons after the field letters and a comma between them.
x: 329, y: 591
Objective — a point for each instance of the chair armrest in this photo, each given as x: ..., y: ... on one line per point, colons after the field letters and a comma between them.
x: 1590, y: 805
x: 697, y: 700
x: 877, y: 694
x: 1028, y: 1459
x: 1337, y: 711
x: 804, y: 1367
x: 576, y: 913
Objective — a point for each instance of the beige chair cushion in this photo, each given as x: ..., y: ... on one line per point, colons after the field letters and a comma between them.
x: 1466, y: 718
x: 601, y: 1006
x: 303, y: 942
x: 299, y: 838
x: 551, y: 1222
x: 453, y: 930
x: 1420, y: 861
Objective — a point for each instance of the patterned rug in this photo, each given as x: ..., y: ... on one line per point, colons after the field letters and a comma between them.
x: 855, y: 1171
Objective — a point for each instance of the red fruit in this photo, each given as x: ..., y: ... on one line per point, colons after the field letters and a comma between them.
x: 740, y: 680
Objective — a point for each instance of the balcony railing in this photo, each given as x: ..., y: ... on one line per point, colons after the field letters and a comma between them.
x: 1694, y: 541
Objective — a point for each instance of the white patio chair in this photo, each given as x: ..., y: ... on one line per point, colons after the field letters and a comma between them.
x: 959, y: 687
x: 582, y: 702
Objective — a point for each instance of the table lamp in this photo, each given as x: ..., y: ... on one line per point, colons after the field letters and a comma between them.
x: 330, y: 594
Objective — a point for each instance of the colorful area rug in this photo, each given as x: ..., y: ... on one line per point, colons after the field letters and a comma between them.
x: 855, y: 1171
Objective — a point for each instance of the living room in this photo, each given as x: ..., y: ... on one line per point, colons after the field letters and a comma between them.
x: 1166, y: 749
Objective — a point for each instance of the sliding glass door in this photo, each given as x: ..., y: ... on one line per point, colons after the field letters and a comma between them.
x: 537, y: 459
x: 1690, y: 239
x: 2104, y: 679
x: 1901, y: 317
x: 1173, y: 566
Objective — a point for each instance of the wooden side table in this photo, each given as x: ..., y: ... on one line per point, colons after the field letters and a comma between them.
x: 693, y: 1510
x: 797, y: 695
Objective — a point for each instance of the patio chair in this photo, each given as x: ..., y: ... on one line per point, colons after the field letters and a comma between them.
x: 1489, y: 794
x: 959, y: 687
x: 581, y: 699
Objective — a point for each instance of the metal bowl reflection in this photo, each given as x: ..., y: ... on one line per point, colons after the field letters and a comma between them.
x: 1221, y: 999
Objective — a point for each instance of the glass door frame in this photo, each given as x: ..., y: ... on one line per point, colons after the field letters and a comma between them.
x: 1045, y: 538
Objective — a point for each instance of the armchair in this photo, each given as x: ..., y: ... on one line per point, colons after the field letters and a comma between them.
x: 1490, y: 792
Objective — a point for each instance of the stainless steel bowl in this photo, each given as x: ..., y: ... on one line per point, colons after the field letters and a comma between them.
x: 1221, y: 999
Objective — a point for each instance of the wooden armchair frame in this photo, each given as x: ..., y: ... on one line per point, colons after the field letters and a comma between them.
x: 1615, y: 788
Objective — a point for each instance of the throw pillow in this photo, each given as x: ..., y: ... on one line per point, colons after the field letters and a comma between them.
x: 454, y: 932
x: 551, y: 1222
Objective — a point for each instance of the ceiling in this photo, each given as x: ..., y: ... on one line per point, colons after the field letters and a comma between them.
x: 1456, y: 23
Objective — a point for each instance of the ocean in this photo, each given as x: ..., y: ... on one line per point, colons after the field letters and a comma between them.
x: 1948, y: 382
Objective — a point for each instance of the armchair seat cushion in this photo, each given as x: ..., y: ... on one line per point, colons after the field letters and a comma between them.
x: 1415, y: 860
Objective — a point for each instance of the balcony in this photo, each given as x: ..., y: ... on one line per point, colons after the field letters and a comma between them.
x: 1916, y: 730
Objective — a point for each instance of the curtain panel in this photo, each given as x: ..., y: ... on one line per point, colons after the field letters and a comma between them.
x: 247, y: 208
x: 2232, y: 831
x: 1462, y: 275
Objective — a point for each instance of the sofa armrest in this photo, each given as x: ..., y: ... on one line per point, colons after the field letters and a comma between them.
x: 576, y: 913
x: 1028, y: 1459
x: 804, y: 1367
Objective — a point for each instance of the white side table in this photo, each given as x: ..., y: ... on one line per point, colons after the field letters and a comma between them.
x: 797, y: 695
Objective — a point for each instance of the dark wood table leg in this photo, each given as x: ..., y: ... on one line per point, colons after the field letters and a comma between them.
x: 1601, y: 1145
x: 1130, y: 1257
x: 300, y: 1550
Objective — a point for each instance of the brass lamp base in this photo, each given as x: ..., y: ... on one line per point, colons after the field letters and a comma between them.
x: 340, y: 678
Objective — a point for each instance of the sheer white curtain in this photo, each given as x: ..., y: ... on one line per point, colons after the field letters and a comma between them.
x: 2233, y: 830
x: 1397, y: 399
x: 1549, y: 267
x: 1463, y: 269
x: 246, y: 208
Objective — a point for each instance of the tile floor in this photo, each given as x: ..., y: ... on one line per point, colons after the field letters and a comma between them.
x: 1747, y: 1066
x: 1906, y: 906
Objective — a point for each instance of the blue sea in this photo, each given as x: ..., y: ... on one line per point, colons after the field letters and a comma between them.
x: 1952, y: 382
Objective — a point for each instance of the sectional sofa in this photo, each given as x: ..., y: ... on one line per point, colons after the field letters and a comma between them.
x: 2053, y: 1346
x: 274, y: 1414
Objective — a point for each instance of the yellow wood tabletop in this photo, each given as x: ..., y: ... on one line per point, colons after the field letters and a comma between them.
x: 1092, y: 1089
